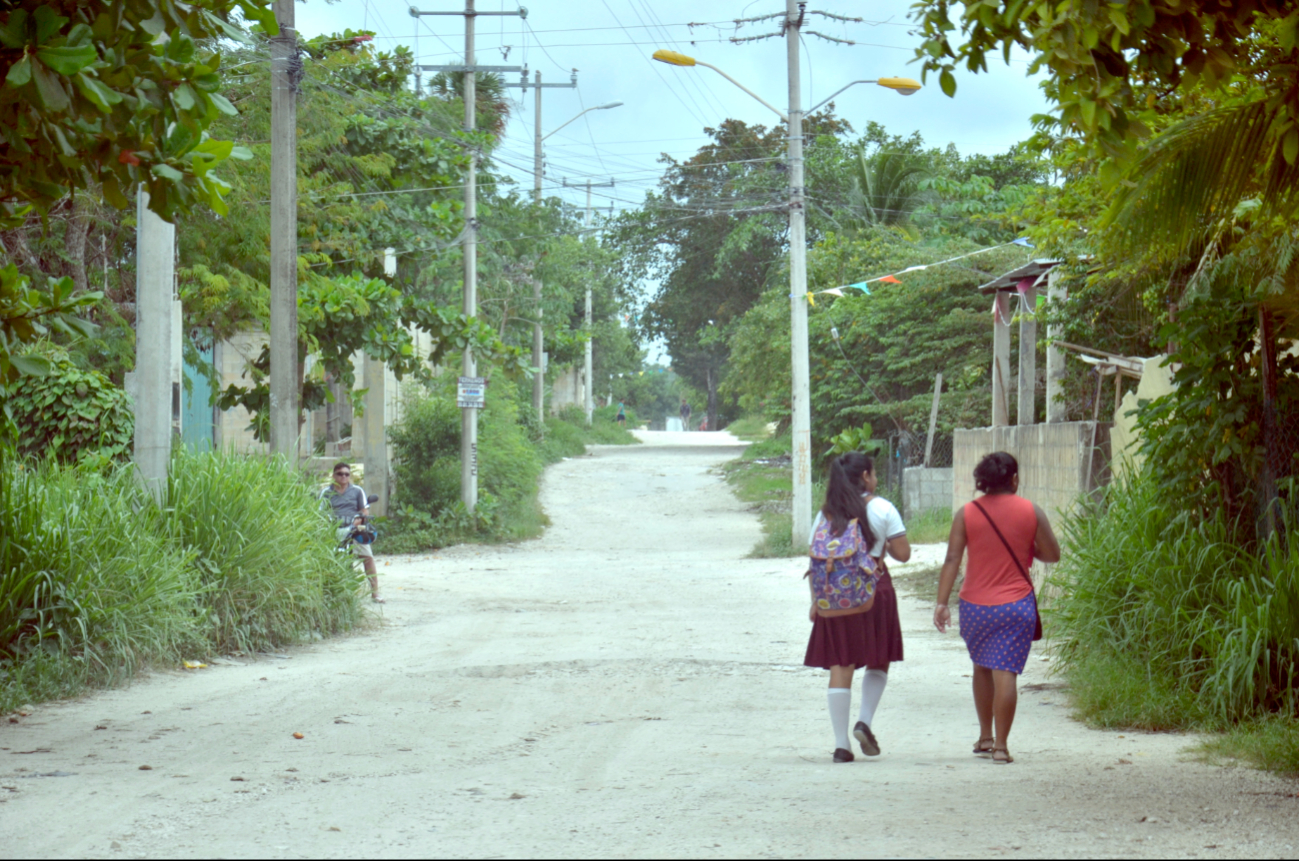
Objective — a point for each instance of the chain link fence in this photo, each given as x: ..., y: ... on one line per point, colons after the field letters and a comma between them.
x: 1280, y: 470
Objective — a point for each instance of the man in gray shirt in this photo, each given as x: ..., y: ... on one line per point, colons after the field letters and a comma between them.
x: 349, y: 504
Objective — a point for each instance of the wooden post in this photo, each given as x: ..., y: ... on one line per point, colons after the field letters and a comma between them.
x: 1027, y: 400
x: 1000, y: 359
x: 933, y: 417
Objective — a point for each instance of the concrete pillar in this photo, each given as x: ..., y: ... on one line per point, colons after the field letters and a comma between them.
x: 1027, y: 400
x: 1056, y: 294
x: 154, y: 347
x: 375, y: 452
x: 1001, y: 360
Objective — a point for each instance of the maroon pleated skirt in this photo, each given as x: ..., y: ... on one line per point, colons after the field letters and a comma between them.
x: 863, y: 639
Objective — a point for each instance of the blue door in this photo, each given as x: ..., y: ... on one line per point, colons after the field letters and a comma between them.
x: 196, y: 420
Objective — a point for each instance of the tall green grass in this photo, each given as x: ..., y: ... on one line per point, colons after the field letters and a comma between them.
x: 1164, y: 623
x: 97, y: 581
x: 264, y: 550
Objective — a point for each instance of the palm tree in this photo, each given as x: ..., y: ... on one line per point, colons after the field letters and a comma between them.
x: 884, y: 189
x: 493, y: 109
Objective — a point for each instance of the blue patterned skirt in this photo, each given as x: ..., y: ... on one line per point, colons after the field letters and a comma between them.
x: 999, y: 635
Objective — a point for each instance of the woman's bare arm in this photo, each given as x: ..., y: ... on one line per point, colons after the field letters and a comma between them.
x: 1045, y: 545
x: 899, y: 548
x: 951, y: 567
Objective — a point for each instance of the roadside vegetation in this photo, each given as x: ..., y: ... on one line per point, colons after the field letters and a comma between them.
x: 514, y: 447
x: 97, y: 581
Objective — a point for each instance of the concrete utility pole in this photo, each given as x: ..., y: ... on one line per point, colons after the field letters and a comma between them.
x: 285, y: 382
x: 1055, y: 411
x: 801, y: 418
x: 1026, y: 402
x: 537, y: 86
x: 1001, y: 359
x: 539, y: 379
x: 155, y: 276
x: 538, y: 356
x: 588, y: 382
x: 469, y: 368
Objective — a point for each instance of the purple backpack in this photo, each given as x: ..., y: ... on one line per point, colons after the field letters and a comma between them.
x: 842, y: 573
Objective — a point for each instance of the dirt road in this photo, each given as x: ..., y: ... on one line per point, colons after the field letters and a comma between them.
x: 629, y: 685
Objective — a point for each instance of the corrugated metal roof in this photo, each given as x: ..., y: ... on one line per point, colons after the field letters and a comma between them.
x: 1034, y: 269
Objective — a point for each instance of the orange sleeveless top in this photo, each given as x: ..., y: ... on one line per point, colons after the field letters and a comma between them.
x: 991, y: 576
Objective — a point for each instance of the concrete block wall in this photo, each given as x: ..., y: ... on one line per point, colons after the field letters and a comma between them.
x: 232, y: 358
x: 1057, y: 464
x: 926, y: 488
x: 566, y: 389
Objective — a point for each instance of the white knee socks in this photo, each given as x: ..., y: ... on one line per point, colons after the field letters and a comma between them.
x: 839, y: 701
x: 872, y: 688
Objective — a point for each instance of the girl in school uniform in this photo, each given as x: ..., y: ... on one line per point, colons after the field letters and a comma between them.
x: 881, y: 626
x: 839, y: 641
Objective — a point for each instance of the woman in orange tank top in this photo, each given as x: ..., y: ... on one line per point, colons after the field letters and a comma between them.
x: 1004, y: 533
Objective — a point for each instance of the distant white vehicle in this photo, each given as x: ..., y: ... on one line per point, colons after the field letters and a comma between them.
x: 674, y: 423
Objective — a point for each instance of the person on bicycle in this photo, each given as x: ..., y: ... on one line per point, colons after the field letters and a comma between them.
x: 351, y: 507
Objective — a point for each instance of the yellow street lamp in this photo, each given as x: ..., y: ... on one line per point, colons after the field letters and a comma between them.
x: 801, y: 413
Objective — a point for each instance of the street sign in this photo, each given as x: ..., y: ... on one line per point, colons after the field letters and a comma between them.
x: 471, y: 393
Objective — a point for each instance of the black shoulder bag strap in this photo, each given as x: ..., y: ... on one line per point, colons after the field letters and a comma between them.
x: 1037, y: 625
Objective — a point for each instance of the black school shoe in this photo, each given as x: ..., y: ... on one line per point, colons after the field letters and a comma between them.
x: 842, y: 755
x: 866, y: 738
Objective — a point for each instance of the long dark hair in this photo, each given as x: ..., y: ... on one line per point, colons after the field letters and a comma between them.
x: 843, y: 492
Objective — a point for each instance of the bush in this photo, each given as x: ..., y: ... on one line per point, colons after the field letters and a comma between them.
x: 426, y: 445
x: 72, y: 414
x: 264, y: 550
x: 97, y: 581
x: 1167, y: 623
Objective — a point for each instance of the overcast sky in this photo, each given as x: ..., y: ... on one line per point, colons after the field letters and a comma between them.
x: 666, y: 108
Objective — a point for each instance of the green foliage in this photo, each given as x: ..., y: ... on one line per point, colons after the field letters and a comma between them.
x: 70, y: 414
x: 264, y: 551
x: 513, y: 449
x: 97, y: 581
x: 1166, y: 622
x: 27, y: 313
x: 426, y: 448
x: 1270, y: 743
x: 115, y: 94
x: 896, y: 339
x: 1110, y: 63
x: 852, y: 439
x: 1205, y: 441
x: 85, y: 576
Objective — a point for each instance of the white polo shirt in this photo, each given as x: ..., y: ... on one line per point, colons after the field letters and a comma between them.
x: 885, y: 523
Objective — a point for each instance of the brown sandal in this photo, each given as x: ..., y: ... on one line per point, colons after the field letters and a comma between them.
x: 1001, y: 756
x: 980, y: 749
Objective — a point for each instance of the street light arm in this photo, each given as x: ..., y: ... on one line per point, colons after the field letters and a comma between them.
x: 838, y: 91
x: 579, y: 116
x: 779, y: 112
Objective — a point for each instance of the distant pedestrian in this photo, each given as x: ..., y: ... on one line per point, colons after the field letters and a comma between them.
x: 883, y: 626
x: 999, y: 617
x: 351, y: 506
x: 621, y: 418
x: 685, y: 415
x: 839, y: 639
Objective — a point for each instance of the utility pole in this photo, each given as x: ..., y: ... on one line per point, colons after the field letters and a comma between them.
x: 801, y: 419
x: 154, y: 279
x: 537, y: 86
x: 539, y: 379
x: 469, y: 368
x: 589, y: 384
x: 538, y: 357
x: 285, y: 382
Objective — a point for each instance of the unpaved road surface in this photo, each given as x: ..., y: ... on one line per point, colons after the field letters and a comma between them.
x: 629, y: 685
